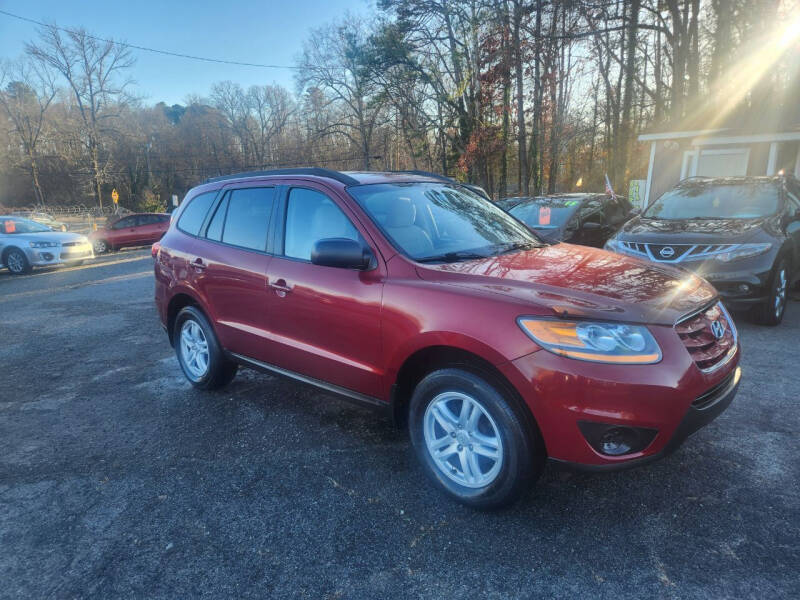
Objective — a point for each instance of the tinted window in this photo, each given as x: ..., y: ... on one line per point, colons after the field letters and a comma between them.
x: 214, y: 231
x: 148, y: 219
x: 247, y: 219
x: 124, y: 222
x: 193, y: 215
x: 545, y: 213
x: 312, y: 216
x: 708, y: 201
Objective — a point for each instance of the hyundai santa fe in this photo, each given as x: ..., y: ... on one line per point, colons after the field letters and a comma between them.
x: 415, y: 295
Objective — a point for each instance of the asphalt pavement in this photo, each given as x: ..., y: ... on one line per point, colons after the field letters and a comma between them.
x: 119, y: 480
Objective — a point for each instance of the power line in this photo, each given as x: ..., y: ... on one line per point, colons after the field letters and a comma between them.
x: 153, y: 50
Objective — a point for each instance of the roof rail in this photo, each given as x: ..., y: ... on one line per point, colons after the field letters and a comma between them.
x: 428, y: 174
x: 315, y: 171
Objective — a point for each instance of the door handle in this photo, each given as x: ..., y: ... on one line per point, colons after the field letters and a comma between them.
x: 280, y: 287
x: 199, y: 264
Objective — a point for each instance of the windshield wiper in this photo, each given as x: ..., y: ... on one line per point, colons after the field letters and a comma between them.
x: 450, y: 257
x: 516, y: 246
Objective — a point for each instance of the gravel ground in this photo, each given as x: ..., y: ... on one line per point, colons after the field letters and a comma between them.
x: 117, y: 479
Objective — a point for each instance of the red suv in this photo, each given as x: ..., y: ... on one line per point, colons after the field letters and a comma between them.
x: 413, y: 294
x: 131, y: 230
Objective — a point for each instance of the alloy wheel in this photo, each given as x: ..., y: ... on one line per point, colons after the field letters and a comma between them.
x: 15, y: 261
x: 100, y: 247
x: 194, y: 349
x: 463, y: 440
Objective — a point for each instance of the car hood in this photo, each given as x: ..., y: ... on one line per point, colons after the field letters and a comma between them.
x: 704, y: 229
x: 569, y: 280
x: 44, y: 236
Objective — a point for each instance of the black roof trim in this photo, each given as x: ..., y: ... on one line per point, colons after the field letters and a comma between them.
x: 314, y: 171
x: 427, y: 174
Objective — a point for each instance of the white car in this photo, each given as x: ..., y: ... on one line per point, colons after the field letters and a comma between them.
x: 25, y: 244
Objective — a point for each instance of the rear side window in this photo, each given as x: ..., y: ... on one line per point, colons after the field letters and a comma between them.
x: 312, y: 216
x: 247, y: 218
x: 193, y: 215
x: 214, y: 231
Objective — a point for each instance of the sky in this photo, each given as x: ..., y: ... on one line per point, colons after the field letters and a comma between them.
x: 266, y: 31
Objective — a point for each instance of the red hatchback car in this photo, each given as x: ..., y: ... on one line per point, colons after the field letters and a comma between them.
x: 411, y: 293
x: 131, y: 230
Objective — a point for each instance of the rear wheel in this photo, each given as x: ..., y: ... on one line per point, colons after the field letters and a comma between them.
x: 199, y: 353
x: 771, y: 312
x: 101, y: 246
x: 17, y: 262
x: 472, y: 439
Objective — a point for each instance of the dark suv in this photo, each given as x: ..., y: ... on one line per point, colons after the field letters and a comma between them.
x: 740, y: 233
x: 417, y: 296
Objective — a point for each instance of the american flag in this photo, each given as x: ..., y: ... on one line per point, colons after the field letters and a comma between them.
x: 609, y: 189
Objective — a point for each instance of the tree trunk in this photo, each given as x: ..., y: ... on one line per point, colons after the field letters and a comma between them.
x: 620, y: 168
x: 523, y: 177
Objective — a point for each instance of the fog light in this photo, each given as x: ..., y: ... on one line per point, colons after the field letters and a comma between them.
x: 743, y: 288
x: 46, y: 256
x: 616, y: 440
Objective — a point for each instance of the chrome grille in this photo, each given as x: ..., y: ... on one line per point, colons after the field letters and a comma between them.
x: 708, y: 349
x: 676, y: 252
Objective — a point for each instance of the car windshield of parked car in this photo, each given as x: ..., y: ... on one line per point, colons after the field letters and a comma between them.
x: 546, y: 213
x: 439, y: 222
x: 742, y: 201
x: 16, y: 225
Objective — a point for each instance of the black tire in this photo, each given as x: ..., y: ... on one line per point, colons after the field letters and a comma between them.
x: 17, y: 263
x: 220, y: 371
x: 522, y: 449
x: 771, y: 312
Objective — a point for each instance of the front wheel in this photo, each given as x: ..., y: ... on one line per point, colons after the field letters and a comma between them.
x: 101, y: 246
x: 199, y: 353
x: 17, y: 262
x: 473, y: 439
x: 771, y: 312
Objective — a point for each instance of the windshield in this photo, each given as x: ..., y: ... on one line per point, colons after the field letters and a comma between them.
x: 12, y: 225
x: 546, y: 213
x: 748, y: 201
x: 441, y: 222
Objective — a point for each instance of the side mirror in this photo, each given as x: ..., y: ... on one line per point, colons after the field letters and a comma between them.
x: 342, y: 253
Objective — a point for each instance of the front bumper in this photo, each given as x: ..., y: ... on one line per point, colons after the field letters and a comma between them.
x: 58, y: 255
x: 695, y: 418
x: 673, y: 397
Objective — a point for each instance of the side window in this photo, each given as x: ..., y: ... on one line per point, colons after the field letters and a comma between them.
x: 616, y: 210
x: 312, y: 216
x: 146, y: 220
x: 793, y: 204
x: 193, y: 215
x: 247, y: 218
x: 591, y: 212
x: 124, y: 222
x: 214, y: 231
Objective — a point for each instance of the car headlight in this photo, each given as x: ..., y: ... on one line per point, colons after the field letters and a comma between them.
x: 616, y: 343
x: 744, y: 251
x: 43, y: 244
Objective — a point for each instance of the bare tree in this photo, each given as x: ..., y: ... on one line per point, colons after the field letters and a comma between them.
x: 92, y: 69
x: 26, y: 91
x: 334, y: 61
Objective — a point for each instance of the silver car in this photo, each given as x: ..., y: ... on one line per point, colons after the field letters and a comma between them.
x: 25, y: 244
